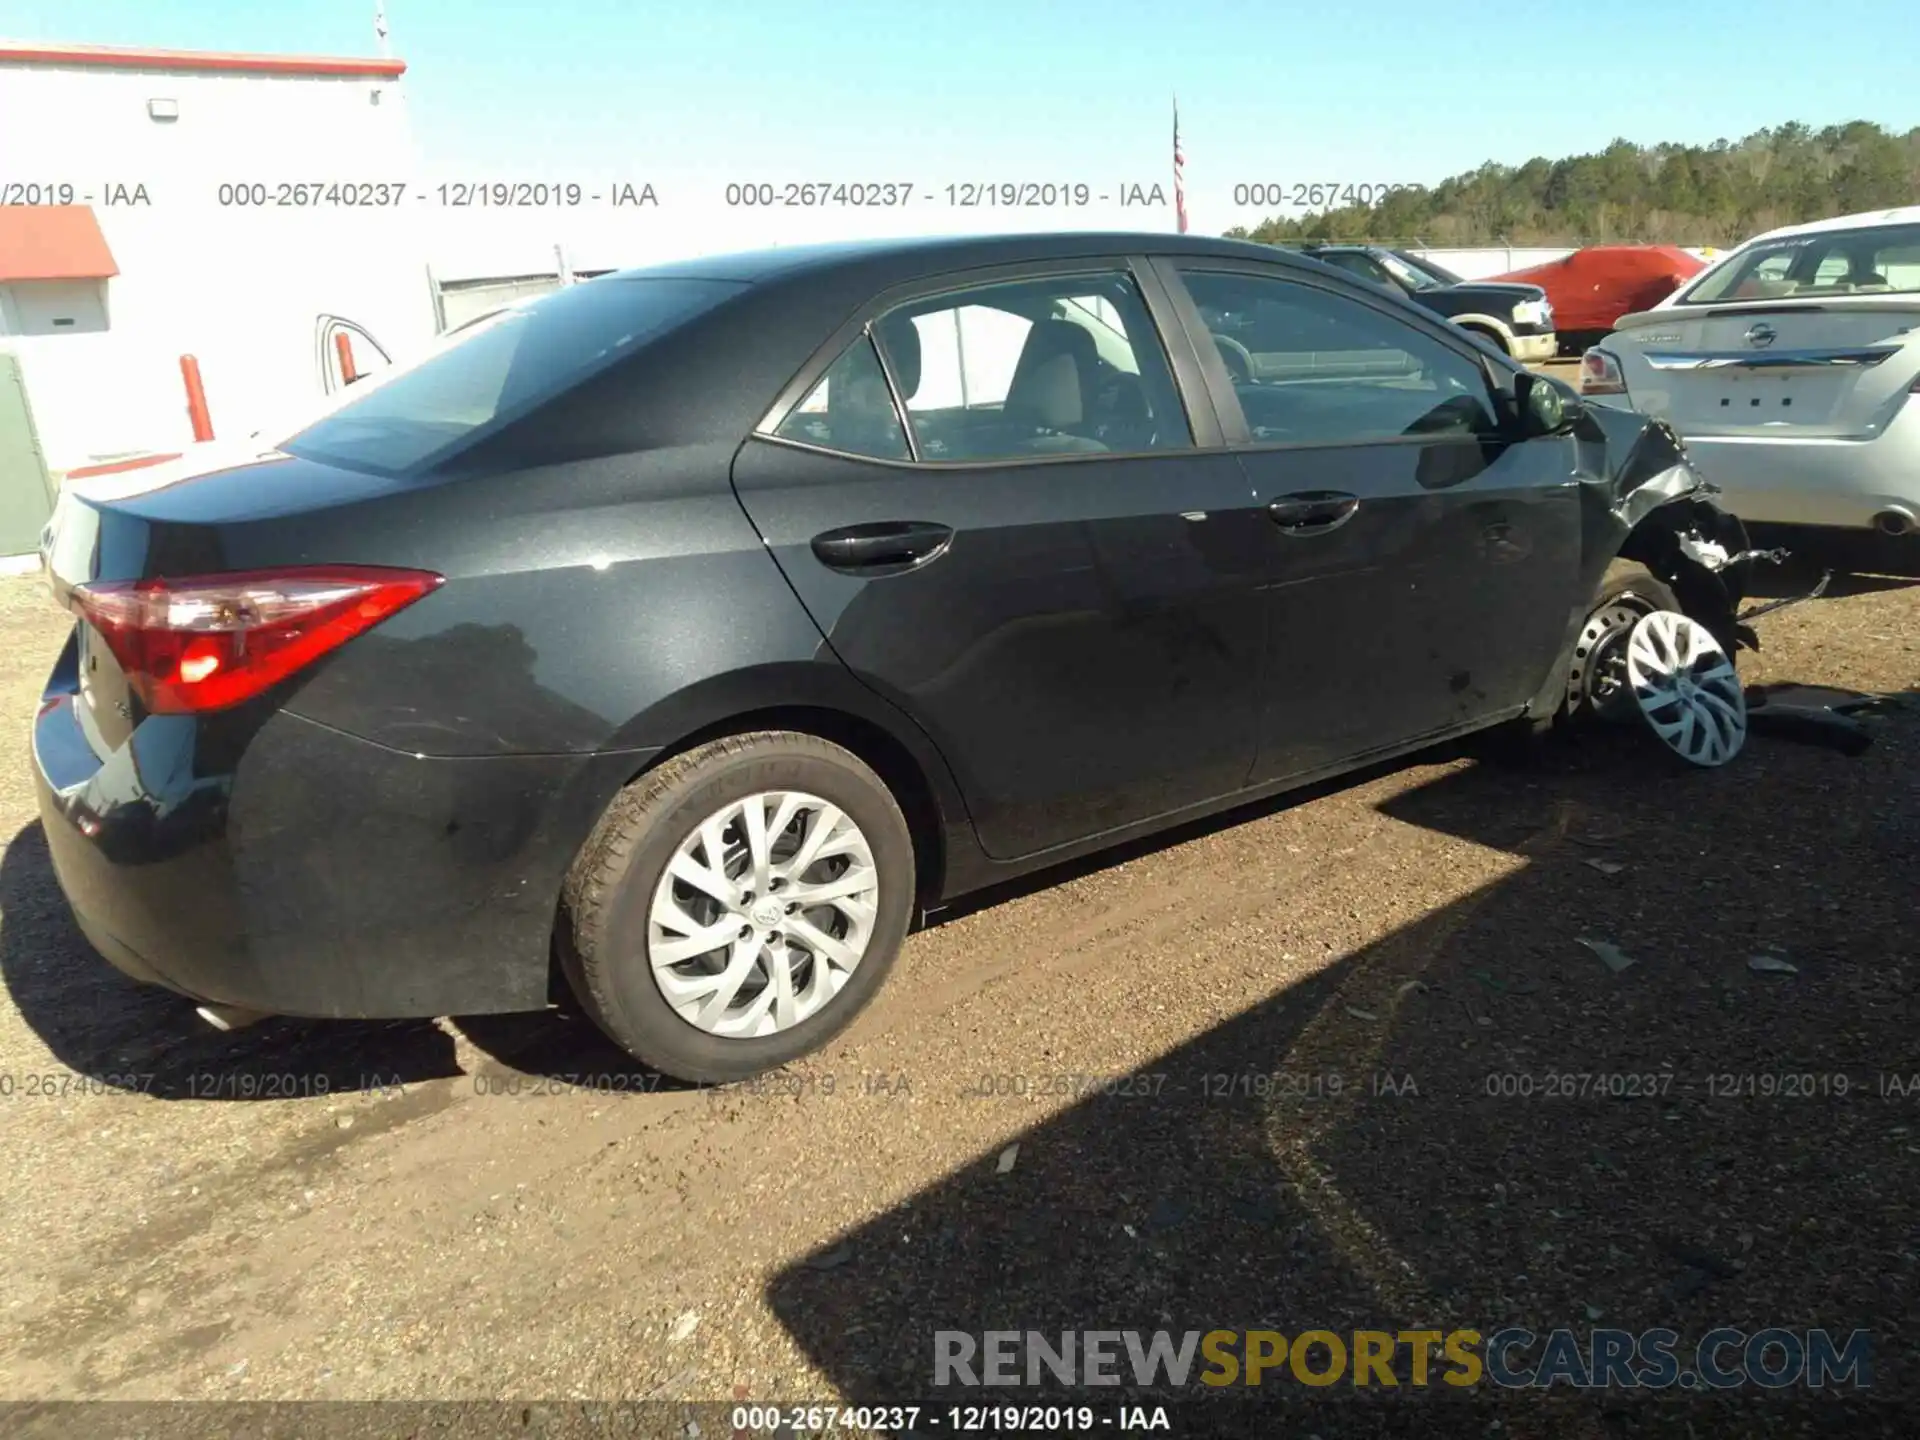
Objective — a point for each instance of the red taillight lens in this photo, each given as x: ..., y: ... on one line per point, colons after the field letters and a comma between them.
x: 210, y: 641
x: 1600, y: 374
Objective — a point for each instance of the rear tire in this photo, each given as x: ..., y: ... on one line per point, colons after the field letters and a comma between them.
x: 624, y: 915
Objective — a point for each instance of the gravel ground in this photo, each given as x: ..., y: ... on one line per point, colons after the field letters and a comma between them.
x: 1352, y: 1032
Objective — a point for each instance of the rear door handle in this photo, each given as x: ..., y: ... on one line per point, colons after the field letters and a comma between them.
x: 1313, y: 512
x: 882, y: 545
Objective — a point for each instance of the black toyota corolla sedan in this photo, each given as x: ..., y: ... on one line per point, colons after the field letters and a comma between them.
x: 682, y: 637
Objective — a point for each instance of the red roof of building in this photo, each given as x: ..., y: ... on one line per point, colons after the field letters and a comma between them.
x: 114, y: 57
x: 53, y: 242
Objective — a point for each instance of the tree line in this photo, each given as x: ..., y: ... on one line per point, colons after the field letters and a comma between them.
x: 1718, y: 194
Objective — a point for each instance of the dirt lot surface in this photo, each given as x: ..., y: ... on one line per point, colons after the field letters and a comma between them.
x: 1352, y: 1031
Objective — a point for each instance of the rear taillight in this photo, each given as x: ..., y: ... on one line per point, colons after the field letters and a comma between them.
x: 210, y: 641
x: 1600, y: 374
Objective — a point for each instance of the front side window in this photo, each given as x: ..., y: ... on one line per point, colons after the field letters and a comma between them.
x: 1874, y: 260
x: 493, y: 370
x: 1314, y: 368
x: 1025, y: 369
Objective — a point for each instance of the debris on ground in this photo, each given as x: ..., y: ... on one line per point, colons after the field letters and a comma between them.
x: 1007, y: 1157
x: 1771, y: 965
x: 1605, y: 867
x: 1813, y: 714
x: 1610, y: 954
x: 684, y: 1326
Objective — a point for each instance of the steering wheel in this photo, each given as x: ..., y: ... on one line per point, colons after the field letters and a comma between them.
x: 1238, y: 359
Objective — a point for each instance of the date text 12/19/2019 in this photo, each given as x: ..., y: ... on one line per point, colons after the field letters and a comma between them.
x: 957, y: 1419
x: 450, y: 195
x: 963, y: 195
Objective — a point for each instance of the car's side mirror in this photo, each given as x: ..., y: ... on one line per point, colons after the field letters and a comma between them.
x: 1546, y: 406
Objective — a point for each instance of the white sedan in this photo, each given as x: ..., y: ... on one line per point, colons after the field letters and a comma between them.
x: 1789, y: 368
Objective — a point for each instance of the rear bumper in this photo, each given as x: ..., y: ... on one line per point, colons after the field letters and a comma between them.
x: 1834, y: 484
x: 313, y: 873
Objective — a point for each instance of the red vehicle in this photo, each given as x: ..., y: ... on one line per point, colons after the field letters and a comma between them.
x: 1591, y: 289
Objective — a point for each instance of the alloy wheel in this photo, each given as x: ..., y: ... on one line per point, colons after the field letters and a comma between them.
x: 763, y: 914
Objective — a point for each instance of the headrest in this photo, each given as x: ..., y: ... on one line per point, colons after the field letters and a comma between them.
x: 900, y: 341
x: 1049, y: 381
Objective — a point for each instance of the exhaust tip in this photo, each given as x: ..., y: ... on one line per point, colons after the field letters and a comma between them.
x: 230, y: 1017
x: 1893, y: 522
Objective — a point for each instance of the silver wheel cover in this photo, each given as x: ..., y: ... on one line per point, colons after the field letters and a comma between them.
x: 1687, y: 688
x: 763, y: 914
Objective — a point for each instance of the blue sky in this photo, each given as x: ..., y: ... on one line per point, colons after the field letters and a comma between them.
x: 704, y: 91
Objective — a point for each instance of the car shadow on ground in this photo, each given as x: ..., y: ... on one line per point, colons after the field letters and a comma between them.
x: 1480, y: 1122
x: 120, y: 1033
x: 117, y: 1032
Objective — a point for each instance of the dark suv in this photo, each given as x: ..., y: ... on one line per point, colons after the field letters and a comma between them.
x: 1518, y: 318
x: 671, y: 643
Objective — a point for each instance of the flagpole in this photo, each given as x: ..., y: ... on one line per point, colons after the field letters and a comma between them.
x: 1179, y: 173
x: 380, y: 28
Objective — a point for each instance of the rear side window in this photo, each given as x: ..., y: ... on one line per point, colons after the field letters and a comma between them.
x: 850, y: 410
x: 489, y: 373
x: 1873, y: 260
x: 1061, y: 365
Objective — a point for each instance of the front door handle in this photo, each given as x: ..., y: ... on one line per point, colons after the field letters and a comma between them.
x: 882, y: 545
x: 1313, y: 512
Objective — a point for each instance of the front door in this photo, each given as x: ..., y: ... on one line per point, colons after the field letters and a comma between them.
x: 1423, y: 560
x: 1038, y: 565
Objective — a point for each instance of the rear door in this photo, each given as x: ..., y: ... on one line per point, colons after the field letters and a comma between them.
x: 1051, y: 565
x: 1810, y: 337
x: 1424, y: 561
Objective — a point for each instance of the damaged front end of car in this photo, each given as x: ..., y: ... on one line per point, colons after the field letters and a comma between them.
x: 1642, y: 500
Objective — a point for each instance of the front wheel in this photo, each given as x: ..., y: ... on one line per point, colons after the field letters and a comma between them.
x: 738, y: 907
x: 1598, y: 687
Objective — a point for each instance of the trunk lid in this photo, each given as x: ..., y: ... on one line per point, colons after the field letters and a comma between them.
x: 192, y: 516
x: 1813, y: 369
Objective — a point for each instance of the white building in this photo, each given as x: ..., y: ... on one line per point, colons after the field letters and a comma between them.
x: 239, y: 209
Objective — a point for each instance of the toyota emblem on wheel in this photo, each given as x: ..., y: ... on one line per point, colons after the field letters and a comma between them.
x: 1760, y: 336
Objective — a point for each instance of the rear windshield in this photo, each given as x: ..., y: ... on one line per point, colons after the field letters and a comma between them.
x: 488, y: 373
x: 1879, y: 260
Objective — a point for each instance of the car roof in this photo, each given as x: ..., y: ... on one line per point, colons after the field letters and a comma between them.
x: 1902, y: 215
x: 886, y: 259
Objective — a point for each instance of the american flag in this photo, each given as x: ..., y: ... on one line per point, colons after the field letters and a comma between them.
x: 1179, y: 173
